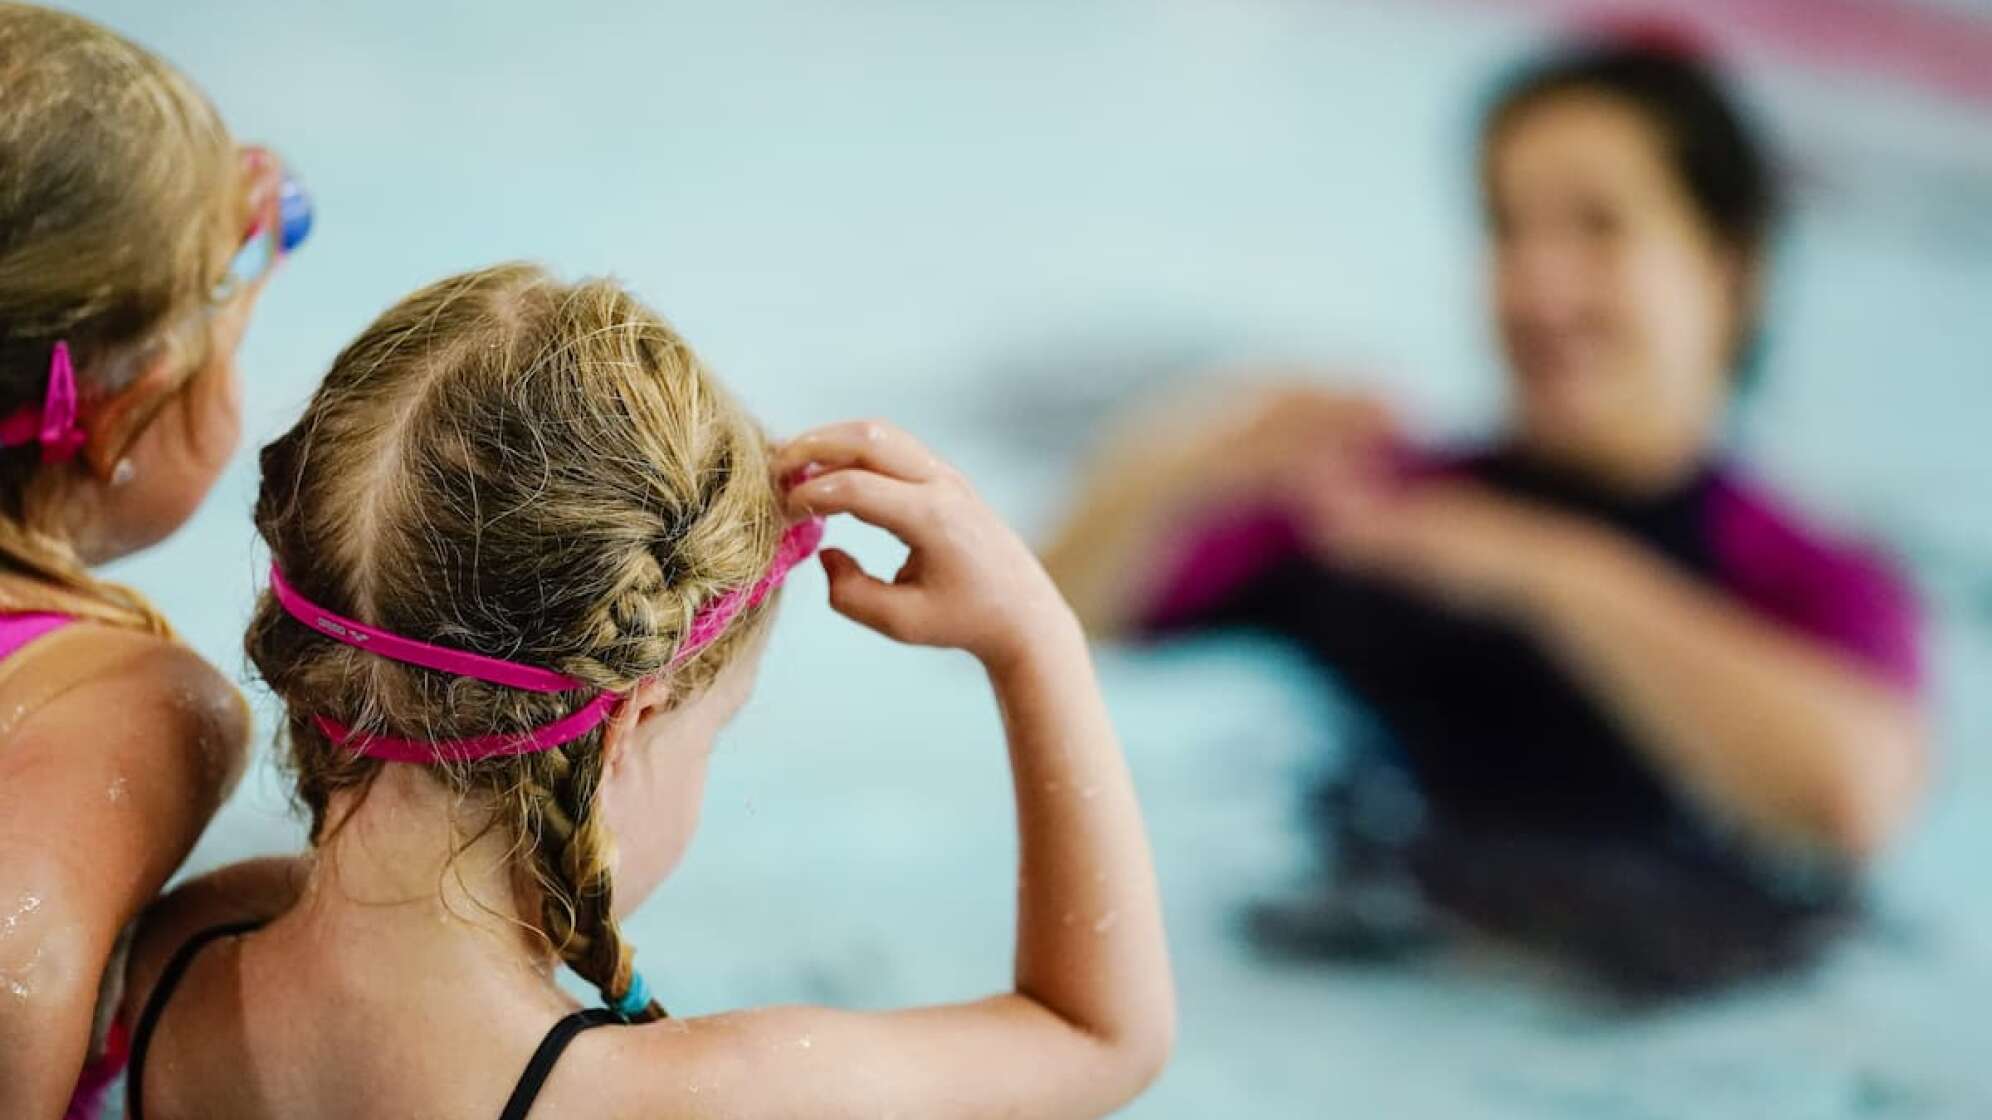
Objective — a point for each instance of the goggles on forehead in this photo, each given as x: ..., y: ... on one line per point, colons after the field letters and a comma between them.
x: 281, y: 219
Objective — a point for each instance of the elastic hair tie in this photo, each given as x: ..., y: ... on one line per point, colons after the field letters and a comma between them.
x: 52, y: 423
x: 634, y: 1001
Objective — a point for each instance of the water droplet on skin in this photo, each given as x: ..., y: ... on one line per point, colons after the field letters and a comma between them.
x: 116, y: 792
x: 805, y: 1042
x: 27, y: 904
x: 1106, y: 921
x: 123, y: 473
x: 17, y: 983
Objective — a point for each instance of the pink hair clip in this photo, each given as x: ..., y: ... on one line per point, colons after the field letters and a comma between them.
x: 53, y: 423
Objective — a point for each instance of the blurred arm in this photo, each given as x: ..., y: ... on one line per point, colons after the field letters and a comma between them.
x: 1218, y: 443
x: 1144, y: 478
x: 1769, y: 726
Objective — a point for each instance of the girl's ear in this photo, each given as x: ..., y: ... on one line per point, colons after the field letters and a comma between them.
x: 112, y: 423
x: 620, y: 731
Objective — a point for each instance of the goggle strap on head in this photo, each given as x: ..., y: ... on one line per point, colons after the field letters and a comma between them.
x: 797, y: 544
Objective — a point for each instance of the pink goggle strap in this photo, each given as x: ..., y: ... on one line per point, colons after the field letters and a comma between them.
x: 442, y: 659
x: 53, y: 422
x: 545, y: 737
x: 797, y: 544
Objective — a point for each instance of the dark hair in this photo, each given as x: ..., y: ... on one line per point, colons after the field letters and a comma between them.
x: 1706, y: 139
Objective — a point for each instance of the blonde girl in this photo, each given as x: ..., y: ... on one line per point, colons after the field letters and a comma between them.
x: 124, y: 291
x: 525, y: 550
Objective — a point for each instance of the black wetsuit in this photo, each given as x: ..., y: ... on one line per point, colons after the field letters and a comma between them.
x: 1529, y: 810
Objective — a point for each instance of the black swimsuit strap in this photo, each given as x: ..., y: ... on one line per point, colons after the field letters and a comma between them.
x: 550, y: 1048
x: 517, y: 1108
x: 155, y: 1006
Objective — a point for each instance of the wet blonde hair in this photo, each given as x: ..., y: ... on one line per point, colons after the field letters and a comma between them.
x: 526, y: 469
x: 118, y: 187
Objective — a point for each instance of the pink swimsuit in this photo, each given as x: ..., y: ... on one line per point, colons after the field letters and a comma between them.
x: 17, y: 630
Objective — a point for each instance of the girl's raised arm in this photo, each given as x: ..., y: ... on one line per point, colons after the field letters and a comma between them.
x: 1091, y: 1017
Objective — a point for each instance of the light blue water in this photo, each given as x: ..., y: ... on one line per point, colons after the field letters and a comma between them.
x: 982, y: 220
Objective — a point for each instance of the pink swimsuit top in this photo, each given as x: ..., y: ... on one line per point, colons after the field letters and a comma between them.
x: 17, y: 630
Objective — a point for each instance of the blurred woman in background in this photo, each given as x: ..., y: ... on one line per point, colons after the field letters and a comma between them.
x: 1618, y: 702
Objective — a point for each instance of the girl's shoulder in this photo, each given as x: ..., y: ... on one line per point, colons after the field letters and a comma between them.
x: 90, y: 671
x: 252, y: 892
x: 823, y: 1062
x: 750, y: 1062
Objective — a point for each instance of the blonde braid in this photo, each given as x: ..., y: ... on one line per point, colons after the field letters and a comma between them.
x: 571, y: 865
x: 526, y: 469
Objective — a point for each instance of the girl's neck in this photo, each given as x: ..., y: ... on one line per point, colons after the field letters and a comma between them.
x: 411, y: 873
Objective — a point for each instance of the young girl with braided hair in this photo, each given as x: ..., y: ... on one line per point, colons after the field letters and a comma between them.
x: 134, y: 238
x: 524, y: 554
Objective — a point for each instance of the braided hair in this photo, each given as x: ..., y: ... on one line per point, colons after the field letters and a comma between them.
x: 527, y: 469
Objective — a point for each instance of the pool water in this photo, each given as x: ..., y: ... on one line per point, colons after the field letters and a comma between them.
x: 990, y: 223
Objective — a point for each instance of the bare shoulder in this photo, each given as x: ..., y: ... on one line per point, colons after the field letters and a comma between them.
x: 742, y: 1063
x: 1002, y: 1055
x: 163, y: 676
x: 253, y: 891
x: 88, y: 672
x: 118, y: 746
x: 954, y: 1061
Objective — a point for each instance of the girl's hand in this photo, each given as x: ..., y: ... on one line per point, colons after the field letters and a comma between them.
x: 969, y: 582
